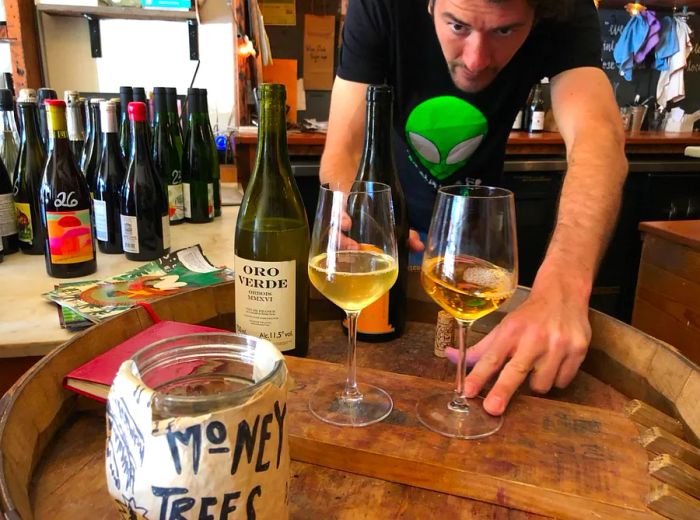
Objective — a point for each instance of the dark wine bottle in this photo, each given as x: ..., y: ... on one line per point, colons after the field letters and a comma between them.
x: 385, y: 319
x: 93, y: 146
x: 215, y: 172
x: 126, y: 96
x: 8, y: 220
x: 166, y: 159
x: 140, y: 96
x: 42, y: 95
x: 272, y: 239
x: 110, y: 178
x: 173, y: 113
x: 9, y: 138
x: 74, y: 118
x: 65, y: 204
x: 28, y: 173
x: 536, y: 111
x: 145, y: 224
x: 197, y: 181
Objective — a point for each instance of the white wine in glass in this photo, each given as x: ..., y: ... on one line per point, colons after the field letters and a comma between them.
x: 353, y: 262
x: 470, y: 268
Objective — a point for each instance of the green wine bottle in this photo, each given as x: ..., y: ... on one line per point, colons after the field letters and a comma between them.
x: 166, y: 159
x: 126, y: 96
x: 215, y: 172
x: 197, y: 181
x: 271, y: 243
x: 384, y: 319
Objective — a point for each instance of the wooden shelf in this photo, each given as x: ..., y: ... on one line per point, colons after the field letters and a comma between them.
x: 129, y: 13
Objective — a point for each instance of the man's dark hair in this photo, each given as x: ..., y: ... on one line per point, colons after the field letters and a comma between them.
x: 543, y: 8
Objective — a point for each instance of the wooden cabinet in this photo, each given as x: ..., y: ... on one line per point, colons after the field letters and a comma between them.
x: 667, y: 302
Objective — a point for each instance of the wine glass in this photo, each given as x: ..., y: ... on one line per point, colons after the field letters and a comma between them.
x: 353, y: 262
x: 470, y: 267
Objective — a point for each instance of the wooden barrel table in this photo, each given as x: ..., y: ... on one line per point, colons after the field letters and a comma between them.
x: 620, y: 442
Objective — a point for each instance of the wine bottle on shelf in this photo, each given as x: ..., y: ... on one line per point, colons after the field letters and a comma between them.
x: 384, y: 319
x: 140, y: 96
x: 93, y: 146
x: 8, y: 219
x: 145, y: 224
x: 536, y: 111
x: 272, y: 240
x: 197, y: 181
x: 166, y: 159
x: 9, y: 138
x: 126, y: 96
x: 65, y: 204
x: 28, y: 173
x: 74, y: 118
x: 111, y: 171
x: 42, y: 95
x: 173, y: 113
x: 214, y: 161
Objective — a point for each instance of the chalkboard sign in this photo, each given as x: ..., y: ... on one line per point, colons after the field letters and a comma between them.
x: 644, y: 76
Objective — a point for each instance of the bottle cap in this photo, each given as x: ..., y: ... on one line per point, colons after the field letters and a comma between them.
x: 46, y: 93
x: 57, y: 103
x: 137, y: 111
x: 139, y: 94
x: 193, y: 104
x: 380, y: 93
x: 96, y: 101
x: 220, y: 142
x: 6, y: 101
x: 160, y: 99
x: 27, y: 95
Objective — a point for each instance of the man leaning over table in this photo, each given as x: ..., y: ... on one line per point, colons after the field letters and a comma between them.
x: 460, y: 70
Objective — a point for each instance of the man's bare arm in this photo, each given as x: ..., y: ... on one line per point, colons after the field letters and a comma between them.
x: 547, y: 337
x: 346, y: 125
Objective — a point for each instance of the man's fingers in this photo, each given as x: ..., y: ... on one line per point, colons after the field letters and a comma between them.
x: 477, y: 350
x: 414, y: 241
x: 511, y: 377
x: 568, y: 369
x: 489, y: 363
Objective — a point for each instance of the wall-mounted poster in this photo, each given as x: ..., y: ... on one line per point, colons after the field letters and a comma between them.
x: 279, y: 12
x: 319, y: 36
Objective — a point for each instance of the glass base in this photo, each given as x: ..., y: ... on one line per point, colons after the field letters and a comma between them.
x: 328, y: 405
x: 437, y: 413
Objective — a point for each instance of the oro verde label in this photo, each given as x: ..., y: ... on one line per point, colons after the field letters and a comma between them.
x: 266, y: 300
x: 24, y: 222
x: 70, y: 236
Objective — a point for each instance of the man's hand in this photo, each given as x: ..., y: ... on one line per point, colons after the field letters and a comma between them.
x: 546, y: 337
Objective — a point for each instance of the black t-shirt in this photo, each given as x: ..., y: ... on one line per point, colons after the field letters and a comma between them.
x: 442, y: 135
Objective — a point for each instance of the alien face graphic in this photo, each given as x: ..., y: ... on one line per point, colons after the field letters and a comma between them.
x: 444, y: 132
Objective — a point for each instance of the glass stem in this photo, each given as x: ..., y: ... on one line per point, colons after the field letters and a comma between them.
x: 459, y: 402
x: 351, y: 392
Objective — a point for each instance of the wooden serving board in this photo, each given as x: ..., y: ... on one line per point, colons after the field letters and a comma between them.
x: 551, y: 458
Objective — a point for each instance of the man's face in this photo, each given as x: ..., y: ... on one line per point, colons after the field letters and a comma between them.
x: 479, y: 37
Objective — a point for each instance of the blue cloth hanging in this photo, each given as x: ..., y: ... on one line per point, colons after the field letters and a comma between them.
x: 630, y: 42
x: 668, y: 43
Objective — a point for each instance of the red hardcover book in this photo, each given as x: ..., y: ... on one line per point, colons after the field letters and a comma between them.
x: 94, y: 378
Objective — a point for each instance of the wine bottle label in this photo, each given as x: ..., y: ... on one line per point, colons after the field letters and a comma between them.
x: 130, y: 234
x: 537, y: 121
x: 24, y: 222
x: 166, y: 231
x: 210, y: 199
x: 187, y: 201
x: 70, y: 236
x: 101, y: 229
x: 176, y: 202
x: 266, y: 300
x: 8, y: 218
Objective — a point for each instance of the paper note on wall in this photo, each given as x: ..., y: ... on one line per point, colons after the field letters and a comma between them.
x: 319, y: 35
x: 285, y: 72
x: 279, y: 12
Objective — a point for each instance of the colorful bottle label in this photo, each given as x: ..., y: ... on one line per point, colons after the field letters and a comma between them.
x: 266, y: 300
x: 130, y: 234
x: 8, y: 218
x: 24, y: 222
x: 176, y: 202
x: 165, y: 222
x: 101, y: 228
x: 210, y: 200
x: 70, y: 236
x: 187, y: 199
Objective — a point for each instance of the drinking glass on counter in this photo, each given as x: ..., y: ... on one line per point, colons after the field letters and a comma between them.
x: 353, y: 262
x: 470, y: 268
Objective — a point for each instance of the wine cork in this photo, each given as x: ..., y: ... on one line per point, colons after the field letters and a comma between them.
x: 444, y: 333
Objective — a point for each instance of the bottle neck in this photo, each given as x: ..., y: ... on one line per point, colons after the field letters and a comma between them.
x: 7, y: 121
x: 95, y: 117
x: 139, y: 143
x: 30, y: 127
x: 57, y: 131
x: 377, y: 152
x: 272, y: 132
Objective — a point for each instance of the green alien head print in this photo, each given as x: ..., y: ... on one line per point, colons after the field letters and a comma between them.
x: 444, y: 132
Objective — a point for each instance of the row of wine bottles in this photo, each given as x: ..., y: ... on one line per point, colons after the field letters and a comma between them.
x: 272, y: 234
x: 121, y: 202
